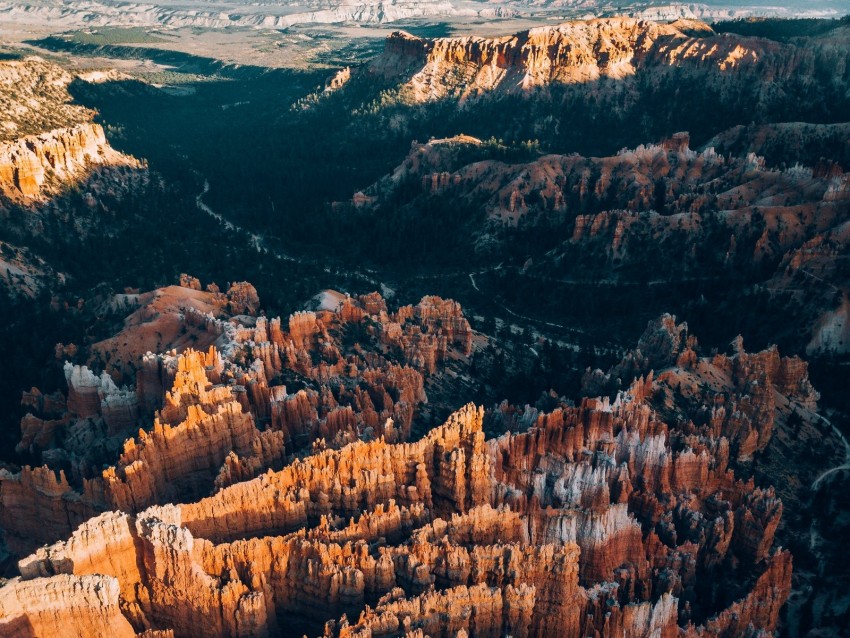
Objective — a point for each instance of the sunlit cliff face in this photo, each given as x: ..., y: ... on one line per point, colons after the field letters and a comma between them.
x: 33, y: 167
x: 570, y: 53
x: 47, y: 142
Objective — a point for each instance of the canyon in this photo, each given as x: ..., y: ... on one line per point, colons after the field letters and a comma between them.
x: 511, y: 434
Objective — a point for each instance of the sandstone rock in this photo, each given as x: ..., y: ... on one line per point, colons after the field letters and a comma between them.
x: 510, y: 553
x: 594, y: 519
x: 569, y: 53
x: 209, y: 431
x: 33, y: 166
x: 243, y: 299
x: 38, y: 507
x: 63, y: 606
x: 187, y: 281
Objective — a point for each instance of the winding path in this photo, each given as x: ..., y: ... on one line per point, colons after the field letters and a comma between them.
x: 516, y: 314
x: 844, y: 466
x: 255, y: 241
x: 258, y: 242
x: 814, y: 534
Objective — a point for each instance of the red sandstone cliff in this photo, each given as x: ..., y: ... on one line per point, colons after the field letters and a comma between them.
x: 569, y: 53
x: 35, y: 166
x: 63, y: 606
x: 46, y: 140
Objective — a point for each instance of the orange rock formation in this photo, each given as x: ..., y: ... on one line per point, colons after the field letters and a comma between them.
x: 537, y: 533
x: 33, y: 166
x: 247, y: 510
x: 222, y: 422
x: 569, y: 53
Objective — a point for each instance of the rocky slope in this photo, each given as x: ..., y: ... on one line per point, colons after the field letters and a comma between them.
x: 570, y: 53
x: 713, y: 215
x: 21, y: 272
x: 35, y: 98
x: 109, y: 14
x: 598, y: 519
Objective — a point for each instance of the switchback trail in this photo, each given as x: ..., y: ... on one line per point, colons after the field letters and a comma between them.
x: 844, y: 466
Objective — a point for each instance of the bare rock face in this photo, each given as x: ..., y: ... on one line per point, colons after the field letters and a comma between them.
x: 663, y: 342
x: 170, y: 318
x: 170, y: 462
x: 338, y: 80
x: 569, y: 53
x: 63, y: 606
x: 736, y: 393
x: 218, y: 420
x: 478, y: 610
x: 90, y: 395
x: 188, y: 281
x: 38, y: 506
x: 34, y: 166
x: 243, y: 299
